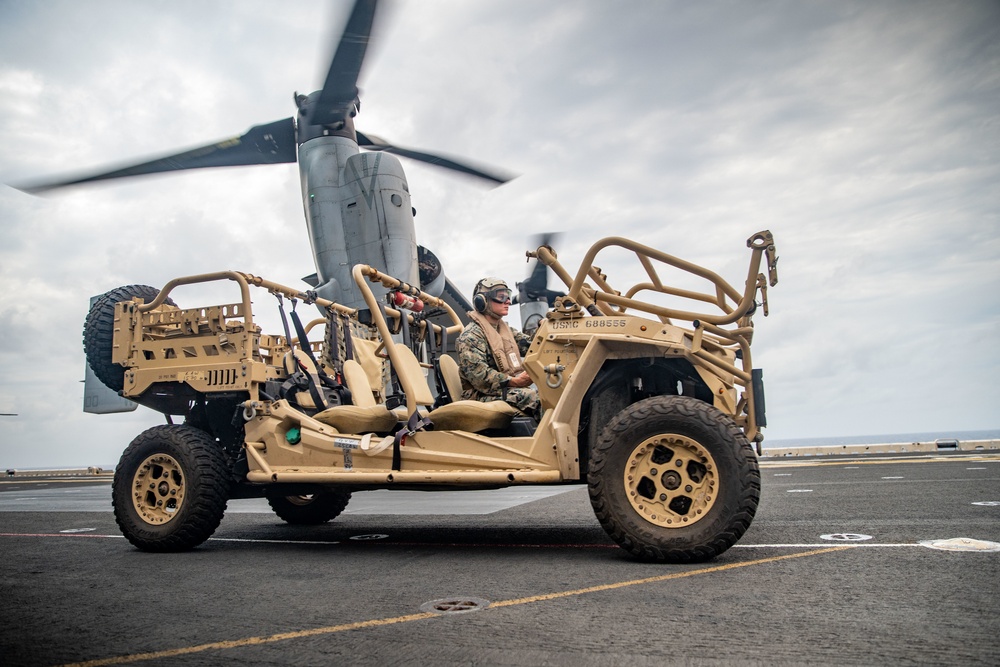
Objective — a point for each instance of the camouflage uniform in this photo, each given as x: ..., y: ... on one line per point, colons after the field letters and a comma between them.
x: 480, y: 377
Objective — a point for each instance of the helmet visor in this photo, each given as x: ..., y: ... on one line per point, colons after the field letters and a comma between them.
x: 499, y: 295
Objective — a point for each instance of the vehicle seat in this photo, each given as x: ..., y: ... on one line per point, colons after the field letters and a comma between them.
x: 452, y: 377
x: 461, y: 415
x: 374, y: 365
x: 365, y: 415
x: 294, y: 361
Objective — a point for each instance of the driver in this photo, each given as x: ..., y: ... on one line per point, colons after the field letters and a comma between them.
x: 489, y: 352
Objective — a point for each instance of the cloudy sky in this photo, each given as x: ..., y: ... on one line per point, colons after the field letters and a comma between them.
x: 864, y: 135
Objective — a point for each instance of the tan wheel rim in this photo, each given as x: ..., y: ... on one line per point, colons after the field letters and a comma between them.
x: 158, y: 489
x: 672, y: 481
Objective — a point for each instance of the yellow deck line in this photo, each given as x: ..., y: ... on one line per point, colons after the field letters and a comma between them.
x: 332, y: 629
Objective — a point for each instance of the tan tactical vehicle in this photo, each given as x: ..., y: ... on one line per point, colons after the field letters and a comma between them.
x: 653, y: 407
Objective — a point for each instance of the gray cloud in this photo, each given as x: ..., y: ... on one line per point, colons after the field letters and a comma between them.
x: 865, y: 135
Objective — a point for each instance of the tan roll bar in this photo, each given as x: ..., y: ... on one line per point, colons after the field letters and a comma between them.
x: 726, y: 298
x: 364, y: 274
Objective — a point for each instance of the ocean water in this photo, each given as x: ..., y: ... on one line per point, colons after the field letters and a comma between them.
x: 891, y: 438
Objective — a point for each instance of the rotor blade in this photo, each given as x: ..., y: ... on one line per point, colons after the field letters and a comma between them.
x: 539, y: 278
x: 341, y: 86
x: 271, y: 143
x: 536, y: 286
x: 371, y: 142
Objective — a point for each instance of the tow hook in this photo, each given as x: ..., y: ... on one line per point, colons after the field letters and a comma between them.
x: 553, y: 373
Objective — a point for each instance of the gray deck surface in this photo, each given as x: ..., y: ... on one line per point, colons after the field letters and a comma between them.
x: 803, y: 586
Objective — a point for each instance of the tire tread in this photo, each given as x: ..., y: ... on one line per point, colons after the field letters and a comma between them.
x: 703, y: 416
x: 206, y: 473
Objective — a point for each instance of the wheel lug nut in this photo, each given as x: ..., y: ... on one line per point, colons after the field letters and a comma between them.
x: 663, y: 496
x: 688, y: 488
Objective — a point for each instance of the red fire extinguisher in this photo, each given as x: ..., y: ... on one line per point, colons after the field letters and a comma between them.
x: 400, y: 300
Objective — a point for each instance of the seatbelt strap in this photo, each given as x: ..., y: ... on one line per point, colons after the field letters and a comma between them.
x: 404, y: 326
x: 284, y: 320
x: 333, y: 342
x: 442, y: 389
x: 413, y: 424
x: 395, y: 388
x: 317, y: 378
x: 348, y: 338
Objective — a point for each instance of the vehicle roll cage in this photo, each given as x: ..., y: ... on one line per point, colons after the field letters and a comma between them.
x: 608, y: 301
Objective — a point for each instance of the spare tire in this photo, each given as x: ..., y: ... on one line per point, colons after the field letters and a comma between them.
x: 99, y: 329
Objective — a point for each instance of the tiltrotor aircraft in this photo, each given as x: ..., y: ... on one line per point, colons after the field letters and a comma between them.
x: 357, y: 204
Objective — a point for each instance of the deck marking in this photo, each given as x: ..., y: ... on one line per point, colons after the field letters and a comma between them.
x: 852, y: 460
x: 657, y: 579
x: 805, y: 545
x: 513, y: 545
x: 74, y: 480
x: 845, y: 537
x: 962, y: 544
x: 265, y: 541
x: 379, y: 622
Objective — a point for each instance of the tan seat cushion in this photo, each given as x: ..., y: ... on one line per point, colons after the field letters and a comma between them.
x: 358, y: 419
x: 473, y: 416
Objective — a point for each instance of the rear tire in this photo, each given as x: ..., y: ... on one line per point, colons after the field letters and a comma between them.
x: 674, y: 480
x: 309, y: 510
x: 99, y: 329
x: 170, y: 488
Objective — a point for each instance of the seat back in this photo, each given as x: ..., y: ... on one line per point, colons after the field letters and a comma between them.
x: 372, y: 363
x: 357, y: 381
x: 411, y: 378
x: 459, y: 415
x: 297, y: 360
x: 365, y: 415
x: 452, y: 376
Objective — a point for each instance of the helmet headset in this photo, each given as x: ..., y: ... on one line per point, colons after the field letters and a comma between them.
x: 489, y: 289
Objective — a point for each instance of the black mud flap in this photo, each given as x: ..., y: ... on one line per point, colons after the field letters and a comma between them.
x: 757, y: 380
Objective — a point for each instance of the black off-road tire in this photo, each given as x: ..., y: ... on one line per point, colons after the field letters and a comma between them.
x: 99, y: 328
x: 170, y: 488
x: 673, y: 480
x: 309, y: 510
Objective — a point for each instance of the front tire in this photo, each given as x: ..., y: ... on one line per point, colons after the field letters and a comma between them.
x: 309, y: 510
x: 673, y: 480
x: 170, y: 488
